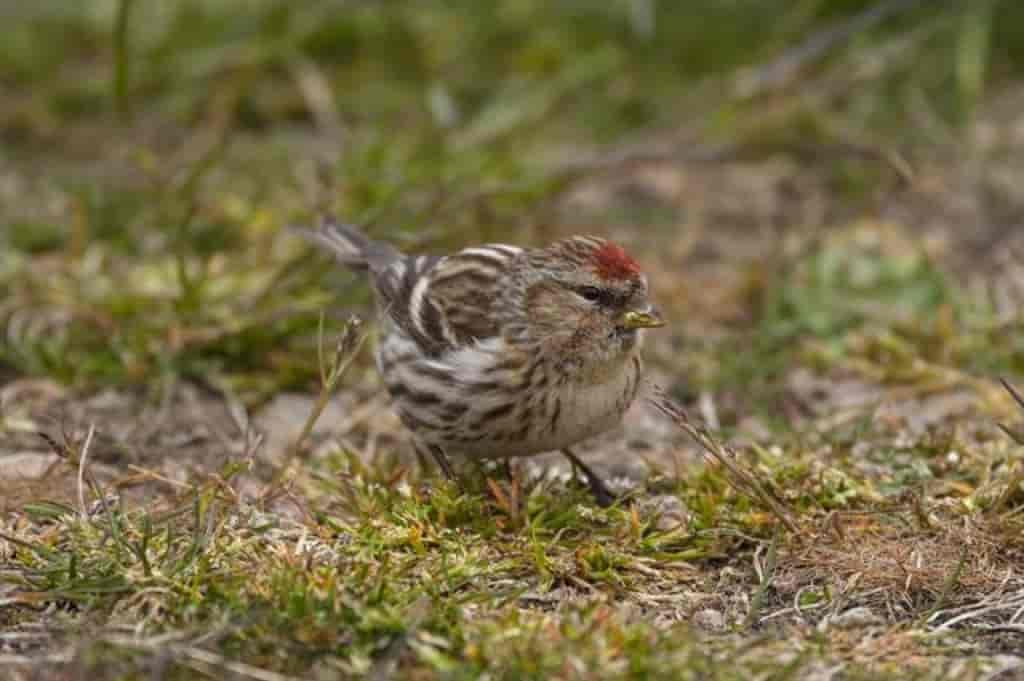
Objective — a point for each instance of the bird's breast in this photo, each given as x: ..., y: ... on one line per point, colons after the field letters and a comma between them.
x: 593, y: 407
x: 489, y: 400
x: 558, y: 411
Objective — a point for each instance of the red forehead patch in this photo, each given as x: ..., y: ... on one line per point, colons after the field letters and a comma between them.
x: 611, y: 262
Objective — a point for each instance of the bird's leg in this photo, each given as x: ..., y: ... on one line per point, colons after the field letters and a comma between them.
x: 421, y: 449
x: 443, y: 463
x: 574, y: 470
x: 598, y: 488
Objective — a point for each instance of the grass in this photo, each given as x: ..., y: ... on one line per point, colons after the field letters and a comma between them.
x: 377, y: 572
x: 835, y: 349
x: 441, y: 583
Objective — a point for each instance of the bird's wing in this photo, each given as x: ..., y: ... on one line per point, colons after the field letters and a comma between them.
x: 444, y: 303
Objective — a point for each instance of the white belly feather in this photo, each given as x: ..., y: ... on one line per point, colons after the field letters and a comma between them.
x: 585, y: 408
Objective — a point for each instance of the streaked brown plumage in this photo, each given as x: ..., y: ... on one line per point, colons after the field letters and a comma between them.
x: 498, y: 351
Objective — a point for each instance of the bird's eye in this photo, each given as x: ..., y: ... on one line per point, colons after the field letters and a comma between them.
x: 592, y: 293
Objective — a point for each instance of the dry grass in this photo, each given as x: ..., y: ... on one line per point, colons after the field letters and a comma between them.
x: 903, y: 566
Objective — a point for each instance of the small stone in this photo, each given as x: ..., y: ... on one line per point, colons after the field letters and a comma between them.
x: 25, y: 465
x: 854, y: 618
x: 709, y: 619
x: 670, y: 512
x: 281, y: 421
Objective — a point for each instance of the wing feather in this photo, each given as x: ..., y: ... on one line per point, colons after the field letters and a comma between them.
x: 446, y: 303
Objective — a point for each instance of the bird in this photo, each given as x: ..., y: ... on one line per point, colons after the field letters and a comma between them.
x: 499, y: 351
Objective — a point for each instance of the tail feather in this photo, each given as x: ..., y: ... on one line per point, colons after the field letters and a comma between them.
x: 350, y: 246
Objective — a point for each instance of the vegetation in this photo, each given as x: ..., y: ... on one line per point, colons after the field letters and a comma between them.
x: 198, y: 472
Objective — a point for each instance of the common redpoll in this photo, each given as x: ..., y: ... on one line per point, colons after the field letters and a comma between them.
x: 499, y: 351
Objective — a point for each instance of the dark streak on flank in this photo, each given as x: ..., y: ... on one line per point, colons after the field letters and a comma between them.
x: 482, y: 387
x: 541, y: 384
x: 454, y: 411
x: 414, y: 422
x: 498, y: 412
x: 423, y: 399
x: 522, y: 432
x: 473, y: 438
x: 556, y: 413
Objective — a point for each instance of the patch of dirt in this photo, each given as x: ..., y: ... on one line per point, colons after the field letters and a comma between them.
x: 139, y: 445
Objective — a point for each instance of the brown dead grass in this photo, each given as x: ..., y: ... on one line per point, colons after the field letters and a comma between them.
x: 895, y: 562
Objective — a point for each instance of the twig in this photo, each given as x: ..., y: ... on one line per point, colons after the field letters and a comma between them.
x: 82, y: 457
x: 1004, y: 629
x: 68, y: 455
x: 1013, y: 392
x: 767, y: 575
x: 1016, y: 477
x: 983, y: 608
x: 1013, y: 435
x: 740, y: 479
x: 332, y: 370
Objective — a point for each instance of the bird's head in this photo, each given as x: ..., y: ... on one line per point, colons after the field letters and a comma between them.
x: 583, y: 297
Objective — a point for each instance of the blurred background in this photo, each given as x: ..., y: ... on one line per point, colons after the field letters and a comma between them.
x: 827, y: 197
x: 812, y: 185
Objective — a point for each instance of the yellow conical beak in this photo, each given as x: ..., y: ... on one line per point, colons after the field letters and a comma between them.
x: 647, y: 319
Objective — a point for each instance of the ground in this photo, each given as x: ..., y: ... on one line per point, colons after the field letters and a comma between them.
x: 199, y: 472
